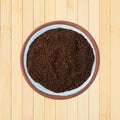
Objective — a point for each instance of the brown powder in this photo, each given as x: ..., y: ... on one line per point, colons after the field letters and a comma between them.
x: 60, y: 60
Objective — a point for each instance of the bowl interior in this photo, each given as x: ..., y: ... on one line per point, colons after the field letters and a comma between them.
x: 42, y: 88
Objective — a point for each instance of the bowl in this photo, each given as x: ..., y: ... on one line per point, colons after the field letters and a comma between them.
x: 39, y: 31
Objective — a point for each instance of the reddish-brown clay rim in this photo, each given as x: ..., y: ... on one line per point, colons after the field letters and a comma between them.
x: 94, y: 45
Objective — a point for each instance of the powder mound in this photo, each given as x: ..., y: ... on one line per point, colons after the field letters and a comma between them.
x: 60, y: 60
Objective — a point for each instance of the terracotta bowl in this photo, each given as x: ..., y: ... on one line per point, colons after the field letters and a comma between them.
x: 40, y: 30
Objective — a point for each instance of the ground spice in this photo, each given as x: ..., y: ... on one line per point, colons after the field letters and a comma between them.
x: 60, y: 60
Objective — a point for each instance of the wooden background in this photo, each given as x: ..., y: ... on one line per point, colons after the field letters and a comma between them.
x: 18, y: 18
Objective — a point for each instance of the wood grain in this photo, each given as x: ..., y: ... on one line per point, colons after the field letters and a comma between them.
x: 5, y: 61
x: 105, y: 60
x: 16, y: 49
x: 18, y: 101
x: 28, y: 97
x: 115, y: 60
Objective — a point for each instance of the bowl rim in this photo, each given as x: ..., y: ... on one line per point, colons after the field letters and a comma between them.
x: 73, y: 25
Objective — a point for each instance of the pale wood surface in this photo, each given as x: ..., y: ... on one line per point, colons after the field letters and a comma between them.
x: 27, y: 92
x: 18, y: 18
x: 105, y: 75
x: 115, y: 60
x: 16, y: 71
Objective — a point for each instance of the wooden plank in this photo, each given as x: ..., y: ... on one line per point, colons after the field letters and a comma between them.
x: 50, y: 10
x: 115, y: 60
x: 60, y: 104
x: 72, y: 103
x: 60, y: 9
x: 39, y: 12
x: 49, y: 109
x: 16, y: 71
x: 71, y: 12
x: 72, y: 109
x: 5, y: 60
x: 94, y: 31
x: 105, y: 60
x: 38, y: 20
x: 60, y: 110
x: 49, y: 103
x: 83, y: 16
x: 83, y: 21
x: 28, y: 98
